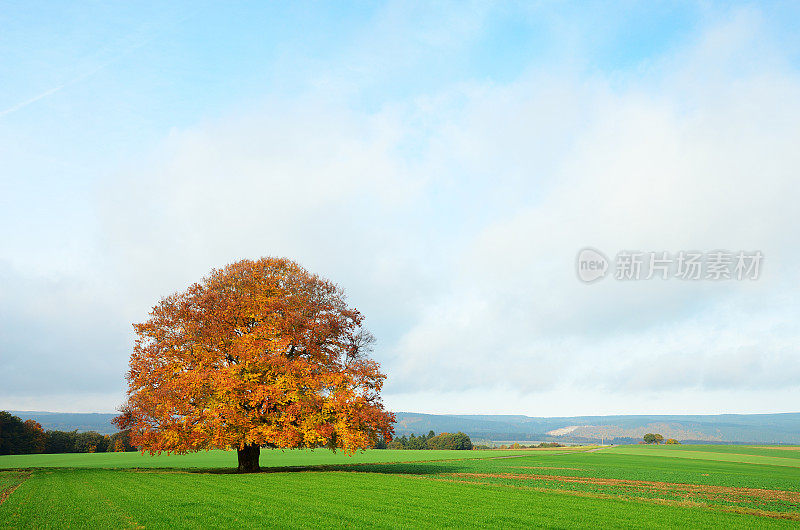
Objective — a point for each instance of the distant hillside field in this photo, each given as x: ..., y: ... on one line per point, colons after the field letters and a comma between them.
x: 724, y: 428
x: 697, y: 486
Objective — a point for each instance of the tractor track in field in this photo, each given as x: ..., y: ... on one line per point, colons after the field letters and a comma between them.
x: 575, y: 452
x: 112, y: 506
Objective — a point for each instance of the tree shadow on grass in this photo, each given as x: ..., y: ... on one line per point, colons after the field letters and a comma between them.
x: 426, y: 468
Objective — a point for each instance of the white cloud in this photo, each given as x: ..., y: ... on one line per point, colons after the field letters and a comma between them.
x: 704, y: 159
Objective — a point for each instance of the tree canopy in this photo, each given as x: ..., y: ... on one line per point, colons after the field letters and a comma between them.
x: 20, y: 437
x: 446, y: 440
x: 651, y: 438
x: 259, y: 353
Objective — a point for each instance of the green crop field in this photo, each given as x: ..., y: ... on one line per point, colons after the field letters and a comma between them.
x: 626, y: 486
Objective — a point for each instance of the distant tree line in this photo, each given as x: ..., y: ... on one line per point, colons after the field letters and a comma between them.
x: 19, y: 437
x: 540, y: 445
x: 445, y: 440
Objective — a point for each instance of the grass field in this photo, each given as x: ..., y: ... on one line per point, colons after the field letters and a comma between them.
x: 626, y: 486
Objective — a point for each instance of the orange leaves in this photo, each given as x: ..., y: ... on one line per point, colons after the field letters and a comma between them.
x: 260, y: 352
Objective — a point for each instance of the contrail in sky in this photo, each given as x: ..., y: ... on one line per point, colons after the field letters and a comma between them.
x: 64, y: 85
x: 43, y: 95
x: 78, y: 79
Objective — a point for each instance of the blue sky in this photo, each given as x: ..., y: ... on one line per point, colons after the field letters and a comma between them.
x: 451, y: 160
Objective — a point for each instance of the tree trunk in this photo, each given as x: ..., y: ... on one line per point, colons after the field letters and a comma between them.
x: 248, y: 459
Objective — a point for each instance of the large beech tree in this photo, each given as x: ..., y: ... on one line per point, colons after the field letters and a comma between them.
x: 258, y: 354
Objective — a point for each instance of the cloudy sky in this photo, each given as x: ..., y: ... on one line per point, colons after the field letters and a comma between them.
x: 443, y: 163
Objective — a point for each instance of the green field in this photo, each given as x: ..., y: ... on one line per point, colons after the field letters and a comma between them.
x: 626, y: 486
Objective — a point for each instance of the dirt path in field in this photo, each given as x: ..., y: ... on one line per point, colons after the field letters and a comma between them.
x: 548, y: 468
x: 684, y: 503
x: 6, y: 493
x: 726, y: 492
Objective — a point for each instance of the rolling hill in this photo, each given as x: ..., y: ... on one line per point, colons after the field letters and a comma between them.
x: 723, y: 428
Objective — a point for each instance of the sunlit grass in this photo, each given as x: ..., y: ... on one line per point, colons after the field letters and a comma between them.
x: 613, y: 487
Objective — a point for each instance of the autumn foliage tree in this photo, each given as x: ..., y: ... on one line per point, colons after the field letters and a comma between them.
x: 258, y: 354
